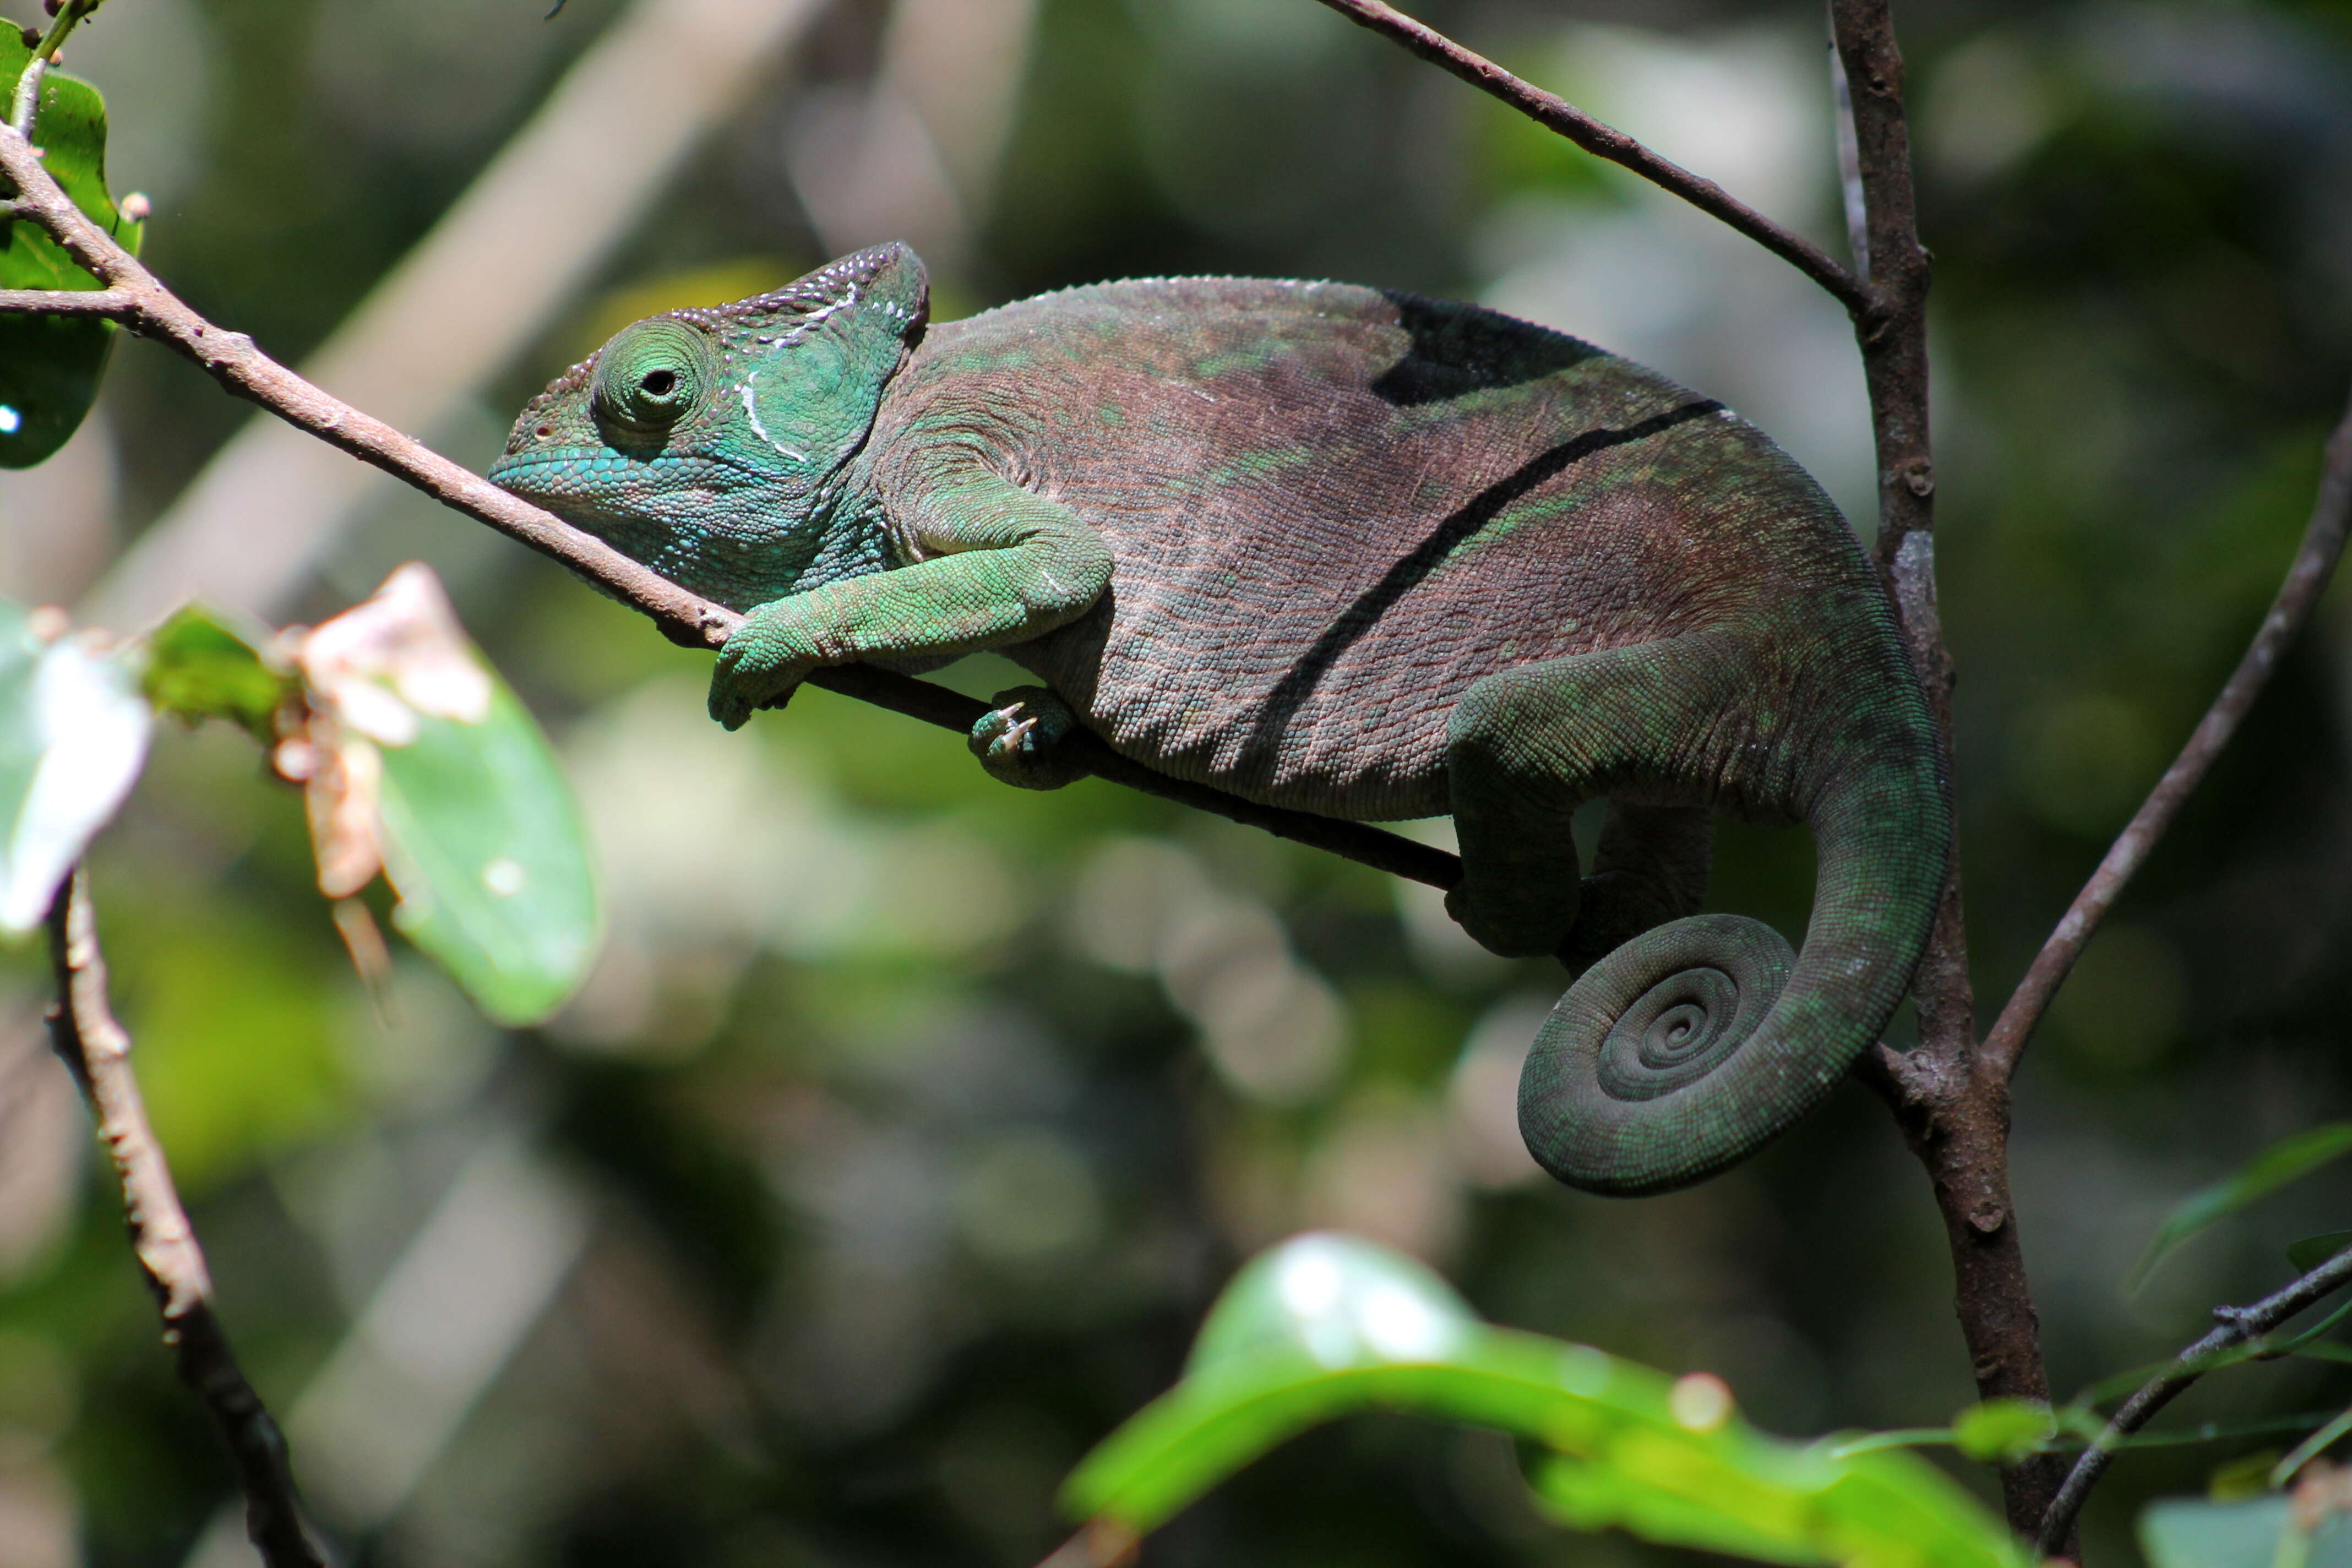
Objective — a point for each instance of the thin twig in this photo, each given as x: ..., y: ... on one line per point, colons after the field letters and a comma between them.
x: 234, y: 361
x: 2306, y: 578
x: 1602, y: 141
x: 97, y: 1051
x: 2237, y: 1325
x: 114, y: 303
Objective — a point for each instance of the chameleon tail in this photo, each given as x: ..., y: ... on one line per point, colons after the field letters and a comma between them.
x: 1685, y: 1049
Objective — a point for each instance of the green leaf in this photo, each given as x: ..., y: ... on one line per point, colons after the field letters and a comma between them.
x: 2247, y: 1476
x: 483, y: 841
x: 2295, y: 1155
x: 2182, y: 1533
x: 50, y: 365
x: 2003, y: 1431
x: 199, y: 666
x: 1326, y: 1325
x: 2311, y: 1447
x: 73, y: 734
x: 2314, y: 1250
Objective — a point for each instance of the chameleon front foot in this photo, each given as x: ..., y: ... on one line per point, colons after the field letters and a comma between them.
x: 761, y: 662
x: 1018, y: 739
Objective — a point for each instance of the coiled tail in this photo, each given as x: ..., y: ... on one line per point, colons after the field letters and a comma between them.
x: 1684, y: 1050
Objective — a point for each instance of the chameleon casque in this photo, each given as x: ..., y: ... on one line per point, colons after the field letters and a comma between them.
x: 1348, y: 551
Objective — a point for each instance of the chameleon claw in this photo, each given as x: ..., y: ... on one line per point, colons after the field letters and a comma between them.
x: 1016, y: 738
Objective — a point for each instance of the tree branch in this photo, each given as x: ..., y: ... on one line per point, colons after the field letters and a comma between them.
x: 1602, y: 141
x: 97, y: 1051
x: 2298, y: 594
x: 113, y: 304
x: 2236, y: 1326
x: 231, y: 358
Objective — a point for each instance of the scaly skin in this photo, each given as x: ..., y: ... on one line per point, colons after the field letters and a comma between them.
x: 1351, y: 552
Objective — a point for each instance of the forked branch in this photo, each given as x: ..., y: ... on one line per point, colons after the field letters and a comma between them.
x: 97, y: 1051
x: 2236, y: 1326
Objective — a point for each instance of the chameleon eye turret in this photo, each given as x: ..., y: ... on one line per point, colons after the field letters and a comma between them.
x: 649, y: 376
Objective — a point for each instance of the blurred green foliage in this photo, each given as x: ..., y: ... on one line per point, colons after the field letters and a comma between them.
x: 922, y: 1121
x: 1326, y: 1325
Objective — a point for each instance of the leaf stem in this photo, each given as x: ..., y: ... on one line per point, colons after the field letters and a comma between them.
x: 26, y: 102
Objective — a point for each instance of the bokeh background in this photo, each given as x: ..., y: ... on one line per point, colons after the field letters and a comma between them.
x: 910, y: 1122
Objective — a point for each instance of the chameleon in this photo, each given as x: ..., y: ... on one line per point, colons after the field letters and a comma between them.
x: 1344, y: 549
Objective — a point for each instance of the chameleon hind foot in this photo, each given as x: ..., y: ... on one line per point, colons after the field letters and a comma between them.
x: 1522, y: 910
x: 1018, y: 739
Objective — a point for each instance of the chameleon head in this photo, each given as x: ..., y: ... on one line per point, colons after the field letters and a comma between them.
x: 708, y: 443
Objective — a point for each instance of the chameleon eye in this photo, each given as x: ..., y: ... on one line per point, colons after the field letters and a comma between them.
x: 649, y: 376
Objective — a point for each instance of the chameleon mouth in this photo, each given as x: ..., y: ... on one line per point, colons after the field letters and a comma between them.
x: 544, y: 473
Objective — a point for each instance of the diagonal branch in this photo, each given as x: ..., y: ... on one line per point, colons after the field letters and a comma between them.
x: 2306, y: 578
x: 1556, y: 113
x: 97, y: 1051
x: 2236, y: 1326
x: 231, y: 358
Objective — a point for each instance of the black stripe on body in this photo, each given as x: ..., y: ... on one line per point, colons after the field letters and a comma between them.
x: 1482, y: 508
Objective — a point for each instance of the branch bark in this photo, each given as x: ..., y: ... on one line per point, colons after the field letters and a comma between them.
x: 2306, y: 578
x: 112, y: 303
x: 2236, y: 1326
x: 97, y: 1051
x: 1951, y: 1100
x: 151, y: 310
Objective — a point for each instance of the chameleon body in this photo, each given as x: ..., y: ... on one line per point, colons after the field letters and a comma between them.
x: 1348, y: 551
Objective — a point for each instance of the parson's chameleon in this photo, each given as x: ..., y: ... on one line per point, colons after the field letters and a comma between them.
x: 1344, y: 549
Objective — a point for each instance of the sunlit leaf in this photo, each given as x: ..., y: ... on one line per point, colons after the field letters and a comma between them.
x: 2314, y: 1250
x: 479, y: 833
x: 2295, y: 1155
x: 50, y: 365
x: 2003, y: 1431
x: 1326, y: 1325
x: 2184, y: 1532
x: 73, y: 734
x: 199, y: 666
x: 483, y: 840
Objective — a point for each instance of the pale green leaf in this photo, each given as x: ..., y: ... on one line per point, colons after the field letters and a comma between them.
x: 2291, y: 1157
x: 73, y: 735
x: 2187, y: 1532
x: 483, y: 840
x: 2003, y: 1431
